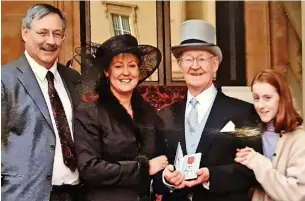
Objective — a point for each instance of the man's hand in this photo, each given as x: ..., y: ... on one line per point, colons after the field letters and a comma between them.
x: 174, y: 177
x: 203, y: 175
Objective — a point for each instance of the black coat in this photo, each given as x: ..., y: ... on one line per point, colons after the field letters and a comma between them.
x: 114, y: 149
x: 229, y: 181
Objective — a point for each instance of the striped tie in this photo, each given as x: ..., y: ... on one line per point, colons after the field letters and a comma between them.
x: 192, y: 119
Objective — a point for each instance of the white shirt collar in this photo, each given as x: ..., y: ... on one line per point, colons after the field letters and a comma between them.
x: 40, y: 71
x: 204, y: 96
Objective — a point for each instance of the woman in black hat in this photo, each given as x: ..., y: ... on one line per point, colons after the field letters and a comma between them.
x: 114, y: 135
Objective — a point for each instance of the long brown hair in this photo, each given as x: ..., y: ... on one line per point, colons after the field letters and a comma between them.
x: 287, y: 119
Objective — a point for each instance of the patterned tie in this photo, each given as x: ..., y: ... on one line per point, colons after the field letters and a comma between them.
x: 67, y: 145
x: 192, y: 119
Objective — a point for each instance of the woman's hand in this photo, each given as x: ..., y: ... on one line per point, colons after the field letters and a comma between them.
x: 243, y: 155
x: 157, y: 164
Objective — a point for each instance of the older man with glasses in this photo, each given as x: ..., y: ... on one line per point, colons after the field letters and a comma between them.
x: 38, y: 97
x: 204, y: 123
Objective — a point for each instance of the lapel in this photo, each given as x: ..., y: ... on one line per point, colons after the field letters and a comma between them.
x: 179, y: 115
x: 214, y: 123
x: 29, y: 82
x: 70, y: 88
x: 67, y: 84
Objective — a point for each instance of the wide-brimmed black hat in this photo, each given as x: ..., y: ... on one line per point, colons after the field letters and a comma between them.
x: 101, y: 54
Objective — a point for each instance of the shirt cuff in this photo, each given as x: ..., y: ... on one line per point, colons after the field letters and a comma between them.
x: 169, y: 186
x: 206, y: 185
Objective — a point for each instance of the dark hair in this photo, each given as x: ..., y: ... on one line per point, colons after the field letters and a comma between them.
x: 39, y: 11
x: 287, y: 119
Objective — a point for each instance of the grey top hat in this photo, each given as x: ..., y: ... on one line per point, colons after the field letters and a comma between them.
x: 197, y: 35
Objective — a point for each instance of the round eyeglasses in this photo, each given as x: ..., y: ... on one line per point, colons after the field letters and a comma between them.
x: 188, y: 61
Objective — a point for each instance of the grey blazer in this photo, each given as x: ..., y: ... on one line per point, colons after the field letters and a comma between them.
x: 27, y: 135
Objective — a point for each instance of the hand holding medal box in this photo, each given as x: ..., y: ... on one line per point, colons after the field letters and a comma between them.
x: 187, y: 164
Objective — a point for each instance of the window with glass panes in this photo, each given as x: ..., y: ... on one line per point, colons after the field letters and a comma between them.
x: 121, y: 24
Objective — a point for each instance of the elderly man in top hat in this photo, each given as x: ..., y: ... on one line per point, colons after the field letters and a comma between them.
x: 204, y: 122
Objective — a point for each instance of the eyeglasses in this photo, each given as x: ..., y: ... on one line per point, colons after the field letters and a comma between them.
x: 44, y: 35
x: 188, y: 61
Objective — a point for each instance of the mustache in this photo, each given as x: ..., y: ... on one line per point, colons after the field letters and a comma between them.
x: 49, y: 48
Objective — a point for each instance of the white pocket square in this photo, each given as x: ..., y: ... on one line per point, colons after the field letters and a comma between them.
x: 229, y: 127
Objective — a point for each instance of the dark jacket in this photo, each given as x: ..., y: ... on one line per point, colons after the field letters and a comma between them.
x: 229, y: 181
x: 114, y: 149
